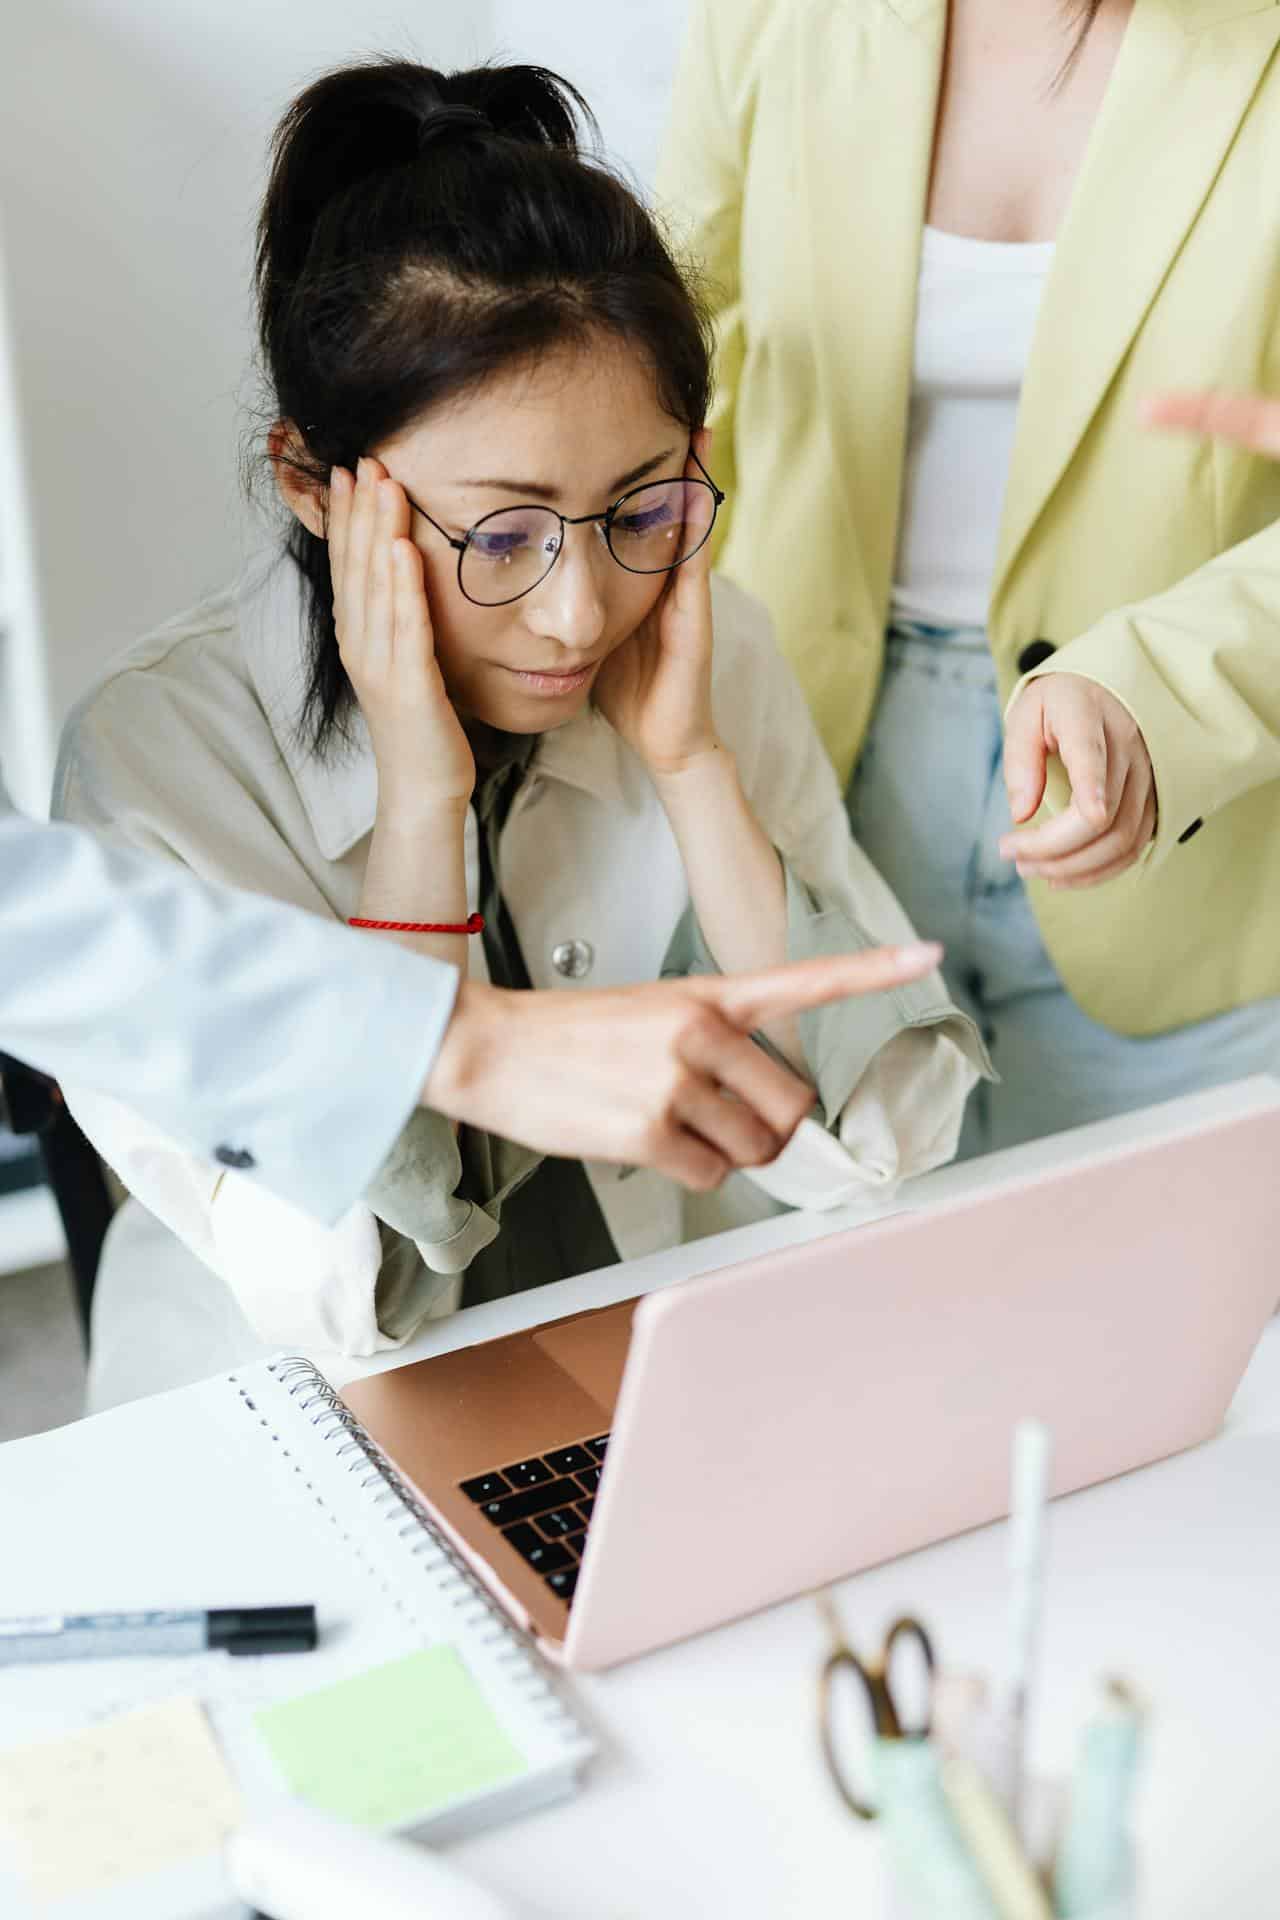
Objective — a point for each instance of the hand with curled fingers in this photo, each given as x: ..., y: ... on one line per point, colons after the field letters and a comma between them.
x: 387, y: 647
x: 1112, y: 813
x: 655, y: 689
x: 664, y: 1075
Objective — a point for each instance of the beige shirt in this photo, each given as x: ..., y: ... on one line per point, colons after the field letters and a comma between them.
x: 189, y: 747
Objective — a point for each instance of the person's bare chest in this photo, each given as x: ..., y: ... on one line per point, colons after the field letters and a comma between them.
x: 1012, y: 127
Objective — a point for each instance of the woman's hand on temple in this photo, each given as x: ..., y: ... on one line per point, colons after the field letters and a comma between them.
x: 387, y: 647
x: 1112, y: 814
x: 655, y: 689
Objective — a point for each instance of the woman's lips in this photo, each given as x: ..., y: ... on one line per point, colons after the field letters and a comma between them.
x: 553, y: 684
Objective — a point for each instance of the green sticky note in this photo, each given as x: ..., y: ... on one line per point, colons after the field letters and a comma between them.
x: 390, y: 1746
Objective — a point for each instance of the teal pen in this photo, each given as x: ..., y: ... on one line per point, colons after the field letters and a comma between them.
x: 1094, y: 1867
x: 928, y: 1859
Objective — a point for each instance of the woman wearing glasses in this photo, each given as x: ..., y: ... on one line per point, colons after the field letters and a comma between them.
x: 476, y: 706
x: 953, y: 245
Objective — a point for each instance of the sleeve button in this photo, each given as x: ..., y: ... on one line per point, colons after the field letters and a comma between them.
x: 1034, y: 655
x: 1193, y: 829
x: 237, y: 1157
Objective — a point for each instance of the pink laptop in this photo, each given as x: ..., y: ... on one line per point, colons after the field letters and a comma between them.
x: 632, y: 1475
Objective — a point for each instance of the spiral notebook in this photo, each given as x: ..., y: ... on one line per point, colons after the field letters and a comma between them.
x: 255, y: 1489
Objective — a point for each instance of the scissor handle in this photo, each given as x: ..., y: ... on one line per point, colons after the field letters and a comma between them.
x: 903, y: 1629
x: 876, y: 1683
x: 843, y: 1657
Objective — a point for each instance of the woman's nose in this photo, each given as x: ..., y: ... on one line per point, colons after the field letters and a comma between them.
x: 569, y: 605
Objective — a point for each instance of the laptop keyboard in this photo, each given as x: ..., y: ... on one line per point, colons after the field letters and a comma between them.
x: 542, y: 1506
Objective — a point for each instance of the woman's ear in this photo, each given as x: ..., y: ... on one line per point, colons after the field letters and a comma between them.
x: 299, y: 491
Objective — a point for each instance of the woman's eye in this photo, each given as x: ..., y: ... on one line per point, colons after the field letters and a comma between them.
x: 647, y: 520
x: 498, y: 546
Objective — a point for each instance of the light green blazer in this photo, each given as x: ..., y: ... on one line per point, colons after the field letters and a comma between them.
x: 796, y: 168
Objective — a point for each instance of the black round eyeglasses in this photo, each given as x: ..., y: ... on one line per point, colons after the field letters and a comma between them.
x: 653, y: 528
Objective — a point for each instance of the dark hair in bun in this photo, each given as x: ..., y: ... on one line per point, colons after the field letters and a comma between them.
x: 423, y: 230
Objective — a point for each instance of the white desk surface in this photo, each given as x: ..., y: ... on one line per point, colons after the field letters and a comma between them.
x: 709, y: 1798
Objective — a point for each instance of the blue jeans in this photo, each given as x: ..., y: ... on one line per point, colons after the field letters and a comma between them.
x: 928, y: 805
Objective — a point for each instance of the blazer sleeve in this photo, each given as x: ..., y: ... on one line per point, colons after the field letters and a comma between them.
x: 699, y: 188
x: 233, y: 1023
x: 1198, y: 669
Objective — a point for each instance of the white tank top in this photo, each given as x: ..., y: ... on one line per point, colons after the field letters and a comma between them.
x: 976, y: 313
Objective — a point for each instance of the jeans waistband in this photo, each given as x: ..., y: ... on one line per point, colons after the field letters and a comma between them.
x: 967, y: 639
x: 950, y: 657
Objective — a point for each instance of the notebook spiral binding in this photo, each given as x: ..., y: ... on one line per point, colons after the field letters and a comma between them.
x: 458, y: 1584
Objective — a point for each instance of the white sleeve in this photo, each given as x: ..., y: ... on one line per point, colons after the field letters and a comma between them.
x: 258, y: 1035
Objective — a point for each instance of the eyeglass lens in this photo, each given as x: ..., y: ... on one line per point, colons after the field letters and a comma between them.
x: 653, y: 529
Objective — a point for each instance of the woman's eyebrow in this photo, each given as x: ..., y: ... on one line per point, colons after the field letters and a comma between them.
x: 534, y: 490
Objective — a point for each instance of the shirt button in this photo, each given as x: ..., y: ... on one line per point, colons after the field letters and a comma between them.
x: 573, y: 958
x: 237, y: 1157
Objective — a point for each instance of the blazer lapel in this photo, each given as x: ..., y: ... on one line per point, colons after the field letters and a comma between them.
x: 869, y: 77
x: 1183, y: 79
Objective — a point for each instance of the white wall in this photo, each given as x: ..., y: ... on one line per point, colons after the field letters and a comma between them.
x: 621, y: 57
x: 132, y: 141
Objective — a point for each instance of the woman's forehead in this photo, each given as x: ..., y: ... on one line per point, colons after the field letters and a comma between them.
x: 577, y: 420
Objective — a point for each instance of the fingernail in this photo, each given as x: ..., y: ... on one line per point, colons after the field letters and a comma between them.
x: 921, y: 953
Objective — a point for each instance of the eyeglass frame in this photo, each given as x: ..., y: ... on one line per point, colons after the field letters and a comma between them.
x: 604, y: 520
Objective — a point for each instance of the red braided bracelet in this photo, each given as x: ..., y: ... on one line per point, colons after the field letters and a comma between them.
x: 475, y: 924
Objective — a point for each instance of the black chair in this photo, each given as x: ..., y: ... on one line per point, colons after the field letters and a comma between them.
x: 33, y: 1105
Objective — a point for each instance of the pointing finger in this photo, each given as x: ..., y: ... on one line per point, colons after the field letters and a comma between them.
x: 1248, y: 420
x: 757, y: 999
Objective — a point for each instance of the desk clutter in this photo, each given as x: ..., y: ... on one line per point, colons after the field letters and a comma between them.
x: 968, y: 1835
x: 420, y: 1709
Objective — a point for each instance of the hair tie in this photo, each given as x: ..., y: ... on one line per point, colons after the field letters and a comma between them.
x: 447, y: 118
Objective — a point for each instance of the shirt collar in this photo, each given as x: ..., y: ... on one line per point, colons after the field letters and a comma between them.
x: 339, y: 792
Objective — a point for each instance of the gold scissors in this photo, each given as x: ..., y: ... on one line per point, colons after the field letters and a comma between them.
x: 875, y: 1678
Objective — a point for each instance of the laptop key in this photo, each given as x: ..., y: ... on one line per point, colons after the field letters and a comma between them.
x: 586, y: 1508
x: 548, y: 1555
x: 574, y: 1547
x: 522, y: 1537
x: 597, y: 1447
x: 590, y: 1479
x: 485, y: 1486
x: 522, y: 1506
x: 563, y: 1582
x: 570, y: 1459
x: 559, y: 1520
x: 529, y: 1473
x: 545, y: 1555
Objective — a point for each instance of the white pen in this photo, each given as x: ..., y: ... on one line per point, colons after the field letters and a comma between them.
x: 1004, y: 1747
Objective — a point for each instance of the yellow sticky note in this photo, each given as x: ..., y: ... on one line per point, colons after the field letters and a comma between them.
x: 390, y: 1746
x: 121, y: 1798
